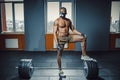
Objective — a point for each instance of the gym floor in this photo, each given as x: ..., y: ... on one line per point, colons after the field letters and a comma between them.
x: 108, y: 62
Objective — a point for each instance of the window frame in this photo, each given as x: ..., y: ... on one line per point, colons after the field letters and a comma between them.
x: 4, y: 25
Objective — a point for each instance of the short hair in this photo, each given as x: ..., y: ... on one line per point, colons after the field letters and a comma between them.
x: 64, y: 9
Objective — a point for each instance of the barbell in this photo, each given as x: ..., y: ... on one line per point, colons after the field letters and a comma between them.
x: 26, y: 68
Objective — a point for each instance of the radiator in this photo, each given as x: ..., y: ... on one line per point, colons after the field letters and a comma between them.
x: 11, y: 43
x: 117, y: 43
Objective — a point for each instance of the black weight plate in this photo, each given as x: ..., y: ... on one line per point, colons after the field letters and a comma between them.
x: 89, y: 69
x: 86, y: 70
x: 95, y: 69
x: 24, y: 69
x: 91, y: 72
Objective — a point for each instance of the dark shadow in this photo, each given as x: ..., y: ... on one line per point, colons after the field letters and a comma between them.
x: 16, y: 78
x: 61, y: 77
x: 99, y: 78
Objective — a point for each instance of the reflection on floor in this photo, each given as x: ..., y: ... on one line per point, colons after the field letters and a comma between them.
x: 72, y: 65
x: 53, y: 74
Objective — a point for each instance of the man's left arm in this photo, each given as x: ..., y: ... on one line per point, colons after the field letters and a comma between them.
x: 74, y: 30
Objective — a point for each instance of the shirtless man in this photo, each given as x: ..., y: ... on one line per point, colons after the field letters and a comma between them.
x: 62, y: 36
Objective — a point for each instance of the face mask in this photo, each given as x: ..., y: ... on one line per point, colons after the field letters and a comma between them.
x: 62, y: 15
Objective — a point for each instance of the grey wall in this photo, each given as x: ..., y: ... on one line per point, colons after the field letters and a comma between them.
x: 34, y: 25
x: 92, y: 18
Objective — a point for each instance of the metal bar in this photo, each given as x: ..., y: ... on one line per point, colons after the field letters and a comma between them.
x: 55, y: 67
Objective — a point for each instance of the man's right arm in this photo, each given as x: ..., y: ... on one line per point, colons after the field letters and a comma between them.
x: 55, y: 29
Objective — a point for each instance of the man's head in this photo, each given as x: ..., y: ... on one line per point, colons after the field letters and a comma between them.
x: 63, y: 12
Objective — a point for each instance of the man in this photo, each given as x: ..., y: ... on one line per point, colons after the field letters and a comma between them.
x: 62, y: 25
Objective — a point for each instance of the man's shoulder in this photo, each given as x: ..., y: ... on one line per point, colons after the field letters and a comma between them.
x: 61, y: 19
x: 57, y: 19
x: 68, y: 19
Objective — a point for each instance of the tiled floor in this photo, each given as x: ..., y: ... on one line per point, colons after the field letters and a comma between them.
x: 53, y: 74
x: 108, y: 62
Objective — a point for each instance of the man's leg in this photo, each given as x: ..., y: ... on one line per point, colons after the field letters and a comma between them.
x: 83, y: 45
x: 82, y: 40
x: 59, y: 55
x: 84, y: 56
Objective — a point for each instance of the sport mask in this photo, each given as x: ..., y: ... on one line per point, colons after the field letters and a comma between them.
x: 62, y: 15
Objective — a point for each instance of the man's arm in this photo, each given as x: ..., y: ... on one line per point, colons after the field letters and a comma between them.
x: 55, y: 29
x: 74, y: 30
x: 77, y: 32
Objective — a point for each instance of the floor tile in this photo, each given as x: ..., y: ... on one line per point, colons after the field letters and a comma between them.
x: 58, y: 78
x: 39, y: 78
x: 78, y: 78
x: 50, y: 72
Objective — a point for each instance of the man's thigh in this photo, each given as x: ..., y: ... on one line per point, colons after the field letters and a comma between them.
x: 76, y: 38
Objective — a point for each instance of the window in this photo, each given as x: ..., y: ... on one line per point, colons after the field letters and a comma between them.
x: 19, y: 18
x: 13, y: 0
x: 115, y: 17
x: 53, y: 8
x: 52, y: 14
x: 12, y: 16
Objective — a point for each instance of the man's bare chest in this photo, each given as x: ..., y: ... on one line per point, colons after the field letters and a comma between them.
x: 64, y: 23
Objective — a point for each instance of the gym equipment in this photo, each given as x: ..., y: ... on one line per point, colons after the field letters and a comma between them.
x: 26, y: 69
x: 62, y: 76
x: 91, y: 69
x: 59, y: 47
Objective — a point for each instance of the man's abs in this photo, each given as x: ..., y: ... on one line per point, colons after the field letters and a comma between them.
x: 63, y: 31
x: 63, y: 34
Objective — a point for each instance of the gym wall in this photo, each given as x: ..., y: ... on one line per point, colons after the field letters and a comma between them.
x: 34, y: 25
x: 92, y: 18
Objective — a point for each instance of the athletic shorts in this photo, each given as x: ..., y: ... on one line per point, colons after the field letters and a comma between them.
x: 64, y: 39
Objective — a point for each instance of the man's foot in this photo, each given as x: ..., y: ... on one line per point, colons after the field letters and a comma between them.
x: 85, y: 57
x: 61, y: 74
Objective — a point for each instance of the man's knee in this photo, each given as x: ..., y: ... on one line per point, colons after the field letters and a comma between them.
x: 60, y: 51
x: 83, y: 39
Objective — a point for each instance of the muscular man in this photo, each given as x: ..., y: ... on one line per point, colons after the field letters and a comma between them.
x: 62, y: 25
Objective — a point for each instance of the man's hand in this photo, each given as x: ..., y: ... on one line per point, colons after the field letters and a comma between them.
x: 59, y: 47
x: 84, y: 35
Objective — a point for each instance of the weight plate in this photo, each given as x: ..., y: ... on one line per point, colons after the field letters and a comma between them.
x: 25, y: 69
x: 90, y: 69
